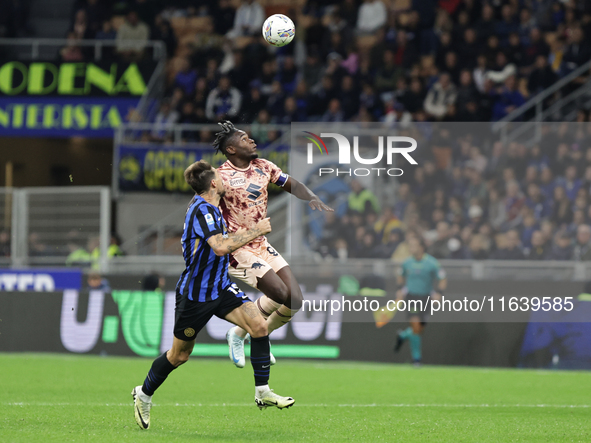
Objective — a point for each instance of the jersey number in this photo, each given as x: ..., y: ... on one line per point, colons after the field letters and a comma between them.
x: 254, y: 191
x: 272, y: 251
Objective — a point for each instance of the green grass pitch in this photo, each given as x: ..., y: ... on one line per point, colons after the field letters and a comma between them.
x: 66, y: 398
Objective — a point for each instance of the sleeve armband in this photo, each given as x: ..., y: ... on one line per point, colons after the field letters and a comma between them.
x: 282, y: 179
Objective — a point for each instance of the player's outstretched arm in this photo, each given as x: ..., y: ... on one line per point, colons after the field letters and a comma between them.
x: 223, y: 245
x: 301, y: 191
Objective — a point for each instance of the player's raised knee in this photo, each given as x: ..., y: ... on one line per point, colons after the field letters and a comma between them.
x: 279, y: 293
x: 259, y: 329
x: 297, y: 299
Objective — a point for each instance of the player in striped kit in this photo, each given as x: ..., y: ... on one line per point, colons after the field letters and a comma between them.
x: 204, y: 290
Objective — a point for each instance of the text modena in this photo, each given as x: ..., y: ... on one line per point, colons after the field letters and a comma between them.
x: 71, y: 79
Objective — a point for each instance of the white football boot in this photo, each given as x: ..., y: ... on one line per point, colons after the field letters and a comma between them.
x: 236, y: 348
x: 269, y: 398
x: 236, y: 345
x: 141, y: 409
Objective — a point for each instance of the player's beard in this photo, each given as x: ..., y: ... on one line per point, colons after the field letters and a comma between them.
x: 254, y: 156
x: 222, y: 194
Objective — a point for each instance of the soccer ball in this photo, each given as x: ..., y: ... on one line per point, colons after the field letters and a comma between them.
x: 278, y: 30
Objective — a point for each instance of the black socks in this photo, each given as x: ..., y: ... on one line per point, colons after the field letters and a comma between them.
x: 261, y: 362
x: 158, y: 373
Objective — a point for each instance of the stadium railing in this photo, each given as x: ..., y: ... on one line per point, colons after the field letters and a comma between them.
x: 313, y: 268
x: 39, y: 48
x: 53, y: 214
x: 512, y: 128
x: 6, y: 223
x: 46, y: 223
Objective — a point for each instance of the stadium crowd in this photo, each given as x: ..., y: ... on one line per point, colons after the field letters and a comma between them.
x: 398, y: 60
x: 391, y: 61
x: 512, y: 204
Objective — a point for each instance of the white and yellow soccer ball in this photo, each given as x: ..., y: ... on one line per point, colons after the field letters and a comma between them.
x: 278, y: 30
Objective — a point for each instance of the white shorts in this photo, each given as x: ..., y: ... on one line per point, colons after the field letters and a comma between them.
x: 251, y: 262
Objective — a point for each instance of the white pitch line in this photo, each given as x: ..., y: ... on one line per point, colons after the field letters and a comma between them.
x: 319, y: 405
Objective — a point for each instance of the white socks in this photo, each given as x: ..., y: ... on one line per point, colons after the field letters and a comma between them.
x: 259, y: 390
x: 143, y: 397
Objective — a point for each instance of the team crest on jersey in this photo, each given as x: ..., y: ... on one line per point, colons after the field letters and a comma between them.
x: 235, y: 182
x: 189, y: 332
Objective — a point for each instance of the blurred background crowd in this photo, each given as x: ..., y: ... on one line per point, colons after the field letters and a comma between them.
x: 372, y: 60
x: 396, y: 61
x: 512, y: 204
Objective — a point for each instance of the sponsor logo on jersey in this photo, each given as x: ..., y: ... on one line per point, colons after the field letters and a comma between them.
x: 235, y: 182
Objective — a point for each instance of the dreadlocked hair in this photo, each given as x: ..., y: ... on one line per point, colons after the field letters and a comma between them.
x: 222, y: 137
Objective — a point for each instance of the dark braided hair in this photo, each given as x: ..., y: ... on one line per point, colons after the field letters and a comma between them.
x: 222, y: 137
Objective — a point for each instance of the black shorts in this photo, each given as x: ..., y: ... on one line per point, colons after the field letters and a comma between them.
x: 192, y: 316
x: 420, y: 306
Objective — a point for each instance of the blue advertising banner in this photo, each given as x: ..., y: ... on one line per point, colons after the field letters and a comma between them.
x: 160, y: 168
x: 63, y: 117
x: 40, y: 280
x: 562, y: 344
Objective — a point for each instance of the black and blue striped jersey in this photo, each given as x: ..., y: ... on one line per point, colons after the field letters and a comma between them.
x: 206, y: 274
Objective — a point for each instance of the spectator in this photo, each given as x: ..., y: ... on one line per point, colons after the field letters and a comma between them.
x: 95, y: 282
x: 577, y: 52
x: 514, y: 201
x: 255, y: 102
x: 561, y: 207
x: 334, y: 113
x: 71, y: 52
x: 223, y: 16
x: 248, y: 20
x: 372, y: 15
x: 165, y: 118
x: 562, y: 248
x: 536, y: 201
x: 132, y: 37
x: 387, y: 74
x: 508, y: 99
x: 478, y: 249
x: 547, y: 183
x: 107, y: 32
x: 439, y: 98
x: 582, y: 248
x: 476, y: 188
x: 82, y: 256
x: 153, y: 282
x: 80, y: 27
x: 186, y: 78
x: 538, y: 250
x: 529, y: 226
x: 362, y: 200
x: 163, y: 31
x: 508, y: 247
x: 570, y: 182
x: 439, y: 248
x: 223, y: 102
x: 542, y: 77
x: 402, y: 251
